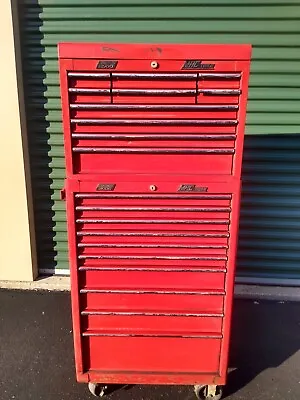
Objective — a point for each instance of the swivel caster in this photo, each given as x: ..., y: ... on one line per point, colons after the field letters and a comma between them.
x: 208, y: 392
x: 97, y: 389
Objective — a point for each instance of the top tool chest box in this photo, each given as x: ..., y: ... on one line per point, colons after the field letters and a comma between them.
x: 153, y: 109
x: 153, y: 143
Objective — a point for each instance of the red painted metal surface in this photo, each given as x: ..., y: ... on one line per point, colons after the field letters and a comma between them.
x: 153, y: 142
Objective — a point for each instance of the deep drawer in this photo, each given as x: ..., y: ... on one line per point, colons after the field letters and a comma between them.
x: 148, y: 354
x: 152, y: 280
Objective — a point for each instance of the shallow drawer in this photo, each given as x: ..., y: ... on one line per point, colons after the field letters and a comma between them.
x: 159, y: 303
x: 141, y: 323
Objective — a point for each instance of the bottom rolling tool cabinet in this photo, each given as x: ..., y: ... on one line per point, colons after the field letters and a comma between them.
x: 152, y: 270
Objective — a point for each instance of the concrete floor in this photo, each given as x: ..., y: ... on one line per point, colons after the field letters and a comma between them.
x: 36, y: 352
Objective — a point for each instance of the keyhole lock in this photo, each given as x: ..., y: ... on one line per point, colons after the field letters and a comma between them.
x: 154, y: 64
x: 153, y: 188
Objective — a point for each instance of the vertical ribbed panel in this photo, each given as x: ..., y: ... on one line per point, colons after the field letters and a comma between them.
x: 270, y: 210
x: 270, y: 222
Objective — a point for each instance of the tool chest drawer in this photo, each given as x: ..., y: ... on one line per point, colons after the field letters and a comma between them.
x: 141, y: 354
x: 152, y: 280
x: 147, y: 301
x: 133, y: 323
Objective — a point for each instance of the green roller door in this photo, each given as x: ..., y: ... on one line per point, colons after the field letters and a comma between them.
x: 270, y: 216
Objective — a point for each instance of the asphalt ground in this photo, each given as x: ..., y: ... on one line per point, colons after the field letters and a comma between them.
x: 36, y: 352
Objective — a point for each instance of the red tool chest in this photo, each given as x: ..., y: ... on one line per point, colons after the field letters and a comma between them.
x: 153, y: 143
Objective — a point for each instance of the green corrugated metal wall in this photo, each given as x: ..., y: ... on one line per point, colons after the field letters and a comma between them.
x: 270, y: 216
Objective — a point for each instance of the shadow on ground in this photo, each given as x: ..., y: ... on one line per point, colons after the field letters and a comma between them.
x: 264, y: 335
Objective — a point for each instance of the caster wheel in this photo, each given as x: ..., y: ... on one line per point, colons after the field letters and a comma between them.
x: 97, y: 389
x: 208, y: 392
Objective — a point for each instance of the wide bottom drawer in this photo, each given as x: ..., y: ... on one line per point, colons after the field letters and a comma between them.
x: 217, y: 161
x: 148, y: 354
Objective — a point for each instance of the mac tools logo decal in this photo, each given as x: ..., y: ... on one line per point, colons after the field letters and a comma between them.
x: 197, y: 64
